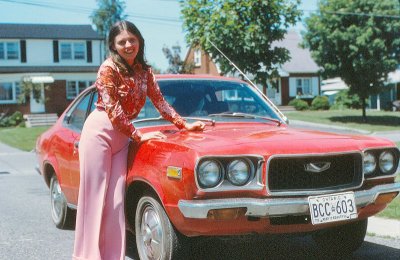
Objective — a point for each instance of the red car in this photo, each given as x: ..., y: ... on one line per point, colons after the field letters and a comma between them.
x: 249, y: 172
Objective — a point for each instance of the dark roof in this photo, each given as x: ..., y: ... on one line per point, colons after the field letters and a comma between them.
x: 61, y: 69
x: 48, y: 31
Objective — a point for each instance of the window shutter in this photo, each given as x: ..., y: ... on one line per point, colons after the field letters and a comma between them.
x: 55, y: 51
x: 89, y: 51
x: 22, y: 46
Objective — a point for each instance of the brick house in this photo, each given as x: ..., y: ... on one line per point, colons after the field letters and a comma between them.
x: 62, y: 59
x: 299, y: 76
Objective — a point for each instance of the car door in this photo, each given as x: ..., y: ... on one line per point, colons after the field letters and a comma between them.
x: 74, y: 121
x: 77, y: 123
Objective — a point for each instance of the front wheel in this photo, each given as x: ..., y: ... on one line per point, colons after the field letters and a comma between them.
x: 342, y: 240
x: 63, y: 217
x: 156, y: 238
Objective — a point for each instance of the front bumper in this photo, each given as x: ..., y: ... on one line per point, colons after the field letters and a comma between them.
x: 271, y: 207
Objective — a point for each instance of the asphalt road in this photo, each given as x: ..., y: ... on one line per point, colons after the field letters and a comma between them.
x: 27, y: 232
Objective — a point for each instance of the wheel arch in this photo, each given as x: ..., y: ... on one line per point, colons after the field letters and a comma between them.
x: 133, y: 193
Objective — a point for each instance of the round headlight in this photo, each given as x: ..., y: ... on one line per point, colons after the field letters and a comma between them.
x: 210, y: 174
x: 369, y: 163
x: 386, y: 162
x: 239, y: 172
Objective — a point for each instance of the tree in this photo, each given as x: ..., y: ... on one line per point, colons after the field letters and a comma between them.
x: 356, y: 40
x: 108, y: 13
x: 176, y: 64
x: 243, y: 30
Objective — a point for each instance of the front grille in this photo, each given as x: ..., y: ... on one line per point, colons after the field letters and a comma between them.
x: 288, y: 173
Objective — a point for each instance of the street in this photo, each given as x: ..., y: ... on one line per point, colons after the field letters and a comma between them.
x: 27, y: 231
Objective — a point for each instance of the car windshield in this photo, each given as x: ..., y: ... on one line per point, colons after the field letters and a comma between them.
x: 219, y: 100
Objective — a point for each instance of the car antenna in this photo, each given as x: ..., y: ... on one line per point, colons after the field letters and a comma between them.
x: 251, y: 83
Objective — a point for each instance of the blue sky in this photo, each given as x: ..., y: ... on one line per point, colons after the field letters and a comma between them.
x: 158, y: 20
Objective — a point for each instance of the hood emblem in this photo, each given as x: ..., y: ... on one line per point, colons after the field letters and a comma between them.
x: 317, y: 167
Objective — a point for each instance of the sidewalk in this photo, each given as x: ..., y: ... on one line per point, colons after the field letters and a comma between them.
x: 391, y: 135
x: 15, y: 160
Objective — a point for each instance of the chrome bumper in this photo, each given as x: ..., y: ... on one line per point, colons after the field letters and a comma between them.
x: 274, y: 206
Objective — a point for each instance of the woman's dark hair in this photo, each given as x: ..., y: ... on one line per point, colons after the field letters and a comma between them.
x: 116, y: 29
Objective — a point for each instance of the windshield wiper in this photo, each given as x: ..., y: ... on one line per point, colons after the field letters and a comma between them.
x: 160, y: 118
x: 244, y: 115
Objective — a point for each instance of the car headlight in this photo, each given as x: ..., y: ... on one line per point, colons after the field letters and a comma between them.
x: 386, y: 162
x: 239, y: 172
x: 369, y: 163
x: 209, y: 174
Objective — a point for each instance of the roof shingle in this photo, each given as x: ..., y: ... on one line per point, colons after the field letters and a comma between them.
x: 48, y: 31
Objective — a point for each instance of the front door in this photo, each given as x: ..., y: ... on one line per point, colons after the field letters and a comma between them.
x: 38, y: 106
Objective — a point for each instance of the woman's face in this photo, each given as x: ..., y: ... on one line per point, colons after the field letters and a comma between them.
x: 127, y: 46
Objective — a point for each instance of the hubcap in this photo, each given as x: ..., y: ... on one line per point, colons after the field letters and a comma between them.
x: 57, y: 200
x: 152, y: 233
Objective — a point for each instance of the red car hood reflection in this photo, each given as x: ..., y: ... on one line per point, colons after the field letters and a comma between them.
x: 266, y: 139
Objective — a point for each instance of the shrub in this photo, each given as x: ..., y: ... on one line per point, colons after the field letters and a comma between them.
x: 320, y: 103
x: 13, y: 120
x: 344, y: 100
x: 299, y: 104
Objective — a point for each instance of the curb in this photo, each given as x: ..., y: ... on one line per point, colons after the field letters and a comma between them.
x: 383, y: 227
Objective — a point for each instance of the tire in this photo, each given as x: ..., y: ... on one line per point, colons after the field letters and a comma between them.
x: 342, y: 240
x: 156, y: 238
x: 63, y: 217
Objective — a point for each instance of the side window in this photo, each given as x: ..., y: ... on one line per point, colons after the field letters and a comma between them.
x: 78, y: 115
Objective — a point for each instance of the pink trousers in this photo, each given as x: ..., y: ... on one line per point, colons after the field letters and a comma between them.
x: 100, y: 220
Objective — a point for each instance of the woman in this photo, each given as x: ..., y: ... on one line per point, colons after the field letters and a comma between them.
x: 123, y: 82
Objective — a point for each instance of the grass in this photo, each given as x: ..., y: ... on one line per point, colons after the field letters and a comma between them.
x: 21, y: 137
x: 376, y: 120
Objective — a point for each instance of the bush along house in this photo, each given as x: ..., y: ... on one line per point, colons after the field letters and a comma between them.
x: 299, y: 77
x: 43, y: 67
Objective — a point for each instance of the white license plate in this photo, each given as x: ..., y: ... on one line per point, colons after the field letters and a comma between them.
x: 332, y: 207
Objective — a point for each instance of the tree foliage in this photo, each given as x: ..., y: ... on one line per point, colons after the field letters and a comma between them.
x: 243, y: 30
x: 176, y: 64
x: 356, y: 40
x: 108, y: 13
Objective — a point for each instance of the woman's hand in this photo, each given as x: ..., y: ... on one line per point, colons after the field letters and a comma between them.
x: 152, y: 135
x: 195, y: 126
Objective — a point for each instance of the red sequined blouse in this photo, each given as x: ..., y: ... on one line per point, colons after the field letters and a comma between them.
x: 122, y: 96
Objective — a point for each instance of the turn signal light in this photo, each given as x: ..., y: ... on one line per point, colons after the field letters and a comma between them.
x: 226, y: 214
x: 386, y: 198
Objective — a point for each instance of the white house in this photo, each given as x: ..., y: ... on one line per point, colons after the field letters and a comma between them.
x: 64, y: 59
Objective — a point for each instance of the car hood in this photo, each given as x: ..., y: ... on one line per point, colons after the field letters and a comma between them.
x: 268, y: 139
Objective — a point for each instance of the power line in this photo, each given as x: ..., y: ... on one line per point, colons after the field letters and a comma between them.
x: 153, y: 19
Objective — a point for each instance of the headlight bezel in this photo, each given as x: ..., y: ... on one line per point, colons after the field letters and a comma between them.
x: 254, y: 182
x: 378, y: 173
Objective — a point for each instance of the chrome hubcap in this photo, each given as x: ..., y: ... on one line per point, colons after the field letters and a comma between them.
x: 57, y: 200
x: 152, y: 233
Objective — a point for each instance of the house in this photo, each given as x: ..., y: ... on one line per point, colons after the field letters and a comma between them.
x: 62, y: 59
x: 298, y: 77
x: 382, y: 101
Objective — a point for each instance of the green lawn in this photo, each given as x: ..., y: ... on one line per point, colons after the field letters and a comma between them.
x: 376, y: 120
x: 21, y: 137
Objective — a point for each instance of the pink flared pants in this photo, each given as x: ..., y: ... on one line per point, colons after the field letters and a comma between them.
x: 100, y: 221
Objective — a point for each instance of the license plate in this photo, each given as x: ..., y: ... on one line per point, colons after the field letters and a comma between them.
x: 332, y: 207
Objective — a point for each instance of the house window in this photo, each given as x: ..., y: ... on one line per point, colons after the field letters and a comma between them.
x: 197, y: 57
x: 9, y: 92
x: 72, y: 51
x: 303, y: 86
x: 9, y: 50
x: 76, y: 87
